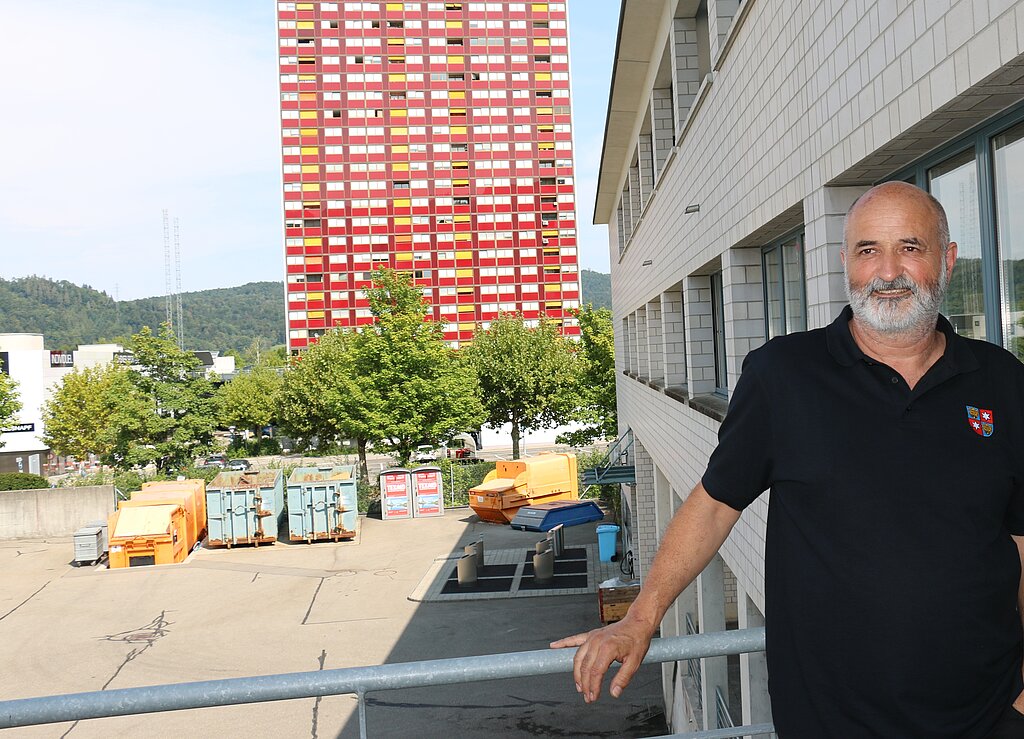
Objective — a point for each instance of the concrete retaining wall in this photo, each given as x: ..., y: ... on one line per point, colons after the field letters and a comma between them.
x: 52, y: 511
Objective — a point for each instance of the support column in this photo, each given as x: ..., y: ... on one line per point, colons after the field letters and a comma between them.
x: 627, y: 216
x: 674, y: 338
x: 642, y: 350
x: 686, y: 72
x: 635, y: 198
x: 753, y: 668
x: 645, y: 533
x: 625, y: 359
x: 655, y: 343
x: 720, y: 15
x: 663, y: 126
x: 645, y: 161
x: 714, y: 670
x: 743, y: 293
x: 634, y: 358
x: 700, y: 335
x: 824, y: 211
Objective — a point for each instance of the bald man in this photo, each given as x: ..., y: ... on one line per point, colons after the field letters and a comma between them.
x: 894, y: 452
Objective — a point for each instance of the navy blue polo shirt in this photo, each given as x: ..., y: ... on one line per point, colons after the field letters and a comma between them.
x: 890, y: 575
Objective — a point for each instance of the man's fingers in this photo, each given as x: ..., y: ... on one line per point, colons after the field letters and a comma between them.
x: 625, y: 674
x: 576, y: 640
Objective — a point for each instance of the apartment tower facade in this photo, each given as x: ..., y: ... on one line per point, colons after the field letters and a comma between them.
x: 433, y: 138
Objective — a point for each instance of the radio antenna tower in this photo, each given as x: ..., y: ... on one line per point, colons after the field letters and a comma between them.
x: 167, y: 270
x: 180, y: 325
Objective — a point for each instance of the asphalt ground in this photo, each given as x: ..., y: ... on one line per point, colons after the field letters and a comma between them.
x: 299, y: 607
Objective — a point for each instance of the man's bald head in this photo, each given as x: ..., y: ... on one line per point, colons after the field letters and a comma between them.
x: 901, y: 192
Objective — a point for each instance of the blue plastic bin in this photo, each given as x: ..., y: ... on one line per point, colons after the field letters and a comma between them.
x: 606, y: 535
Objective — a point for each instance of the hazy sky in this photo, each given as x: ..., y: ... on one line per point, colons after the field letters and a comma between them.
x: 117, y: 110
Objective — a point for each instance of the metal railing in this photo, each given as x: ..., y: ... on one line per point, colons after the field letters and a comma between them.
x: 353, y: 680
x: 722, y: 716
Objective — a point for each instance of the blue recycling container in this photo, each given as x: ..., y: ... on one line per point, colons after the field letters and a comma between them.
x: 607, y: 533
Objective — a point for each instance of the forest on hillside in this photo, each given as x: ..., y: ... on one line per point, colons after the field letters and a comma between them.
x: 223, y: 319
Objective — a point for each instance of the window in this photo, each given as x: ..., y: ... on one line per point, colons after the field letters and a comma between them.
x: 785, y: 299
x: 718, y: 327
x: 954, y: 183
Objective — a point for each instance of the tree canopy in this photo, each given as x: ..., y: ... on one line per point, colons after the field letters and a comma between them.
x: 10, y: 405
x: 526, y: 375
x: 595, y: 381
x: 161, y: 409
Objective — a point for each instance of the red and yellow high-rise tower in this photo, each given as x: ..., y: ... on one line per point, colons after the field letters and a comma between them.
x: 433, y: 138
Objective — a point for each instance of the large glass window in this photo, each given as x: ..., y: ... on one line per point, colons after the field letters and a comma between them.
x: 1008, y: 177
x: 954, y: 183
x: 785, y: 299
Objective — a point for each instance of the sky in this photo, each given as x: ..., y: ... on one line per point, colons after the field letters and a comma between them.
x: 121, y: 109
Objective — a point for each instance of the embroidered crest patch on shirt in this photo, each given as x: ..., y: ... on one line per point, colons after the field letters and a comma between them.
x: 980, y: 420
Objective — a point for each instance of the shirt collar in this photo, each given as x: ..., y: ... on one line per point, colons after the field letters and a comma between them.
x: 844, y: 349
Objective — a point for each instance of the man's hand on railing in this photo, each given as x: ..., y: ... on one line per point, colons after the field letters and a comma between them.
x: 625, y: 642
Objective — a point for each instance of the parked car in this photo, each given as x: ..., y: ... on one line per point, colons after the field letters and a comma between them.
x: 425, y: 453
x: 216, y: 460
x: 239, y: 465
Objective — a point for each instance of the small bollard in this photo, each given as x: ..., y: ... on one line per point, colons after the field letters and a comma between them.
x: 480, y: 549
x: 476, y: 551
x: 466, y: 569
x: 557, y: 538
x: 544, y: 566
x: 541, y: 546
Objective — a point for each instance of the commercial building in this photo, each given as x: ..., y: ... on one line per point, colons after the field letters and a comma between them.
x: 432, y: 138
x: 36, y: 370
x: 738, y: 135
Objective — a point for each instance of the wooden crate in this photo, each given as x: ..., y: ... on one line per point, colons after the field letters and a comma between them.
x: 614, y: 602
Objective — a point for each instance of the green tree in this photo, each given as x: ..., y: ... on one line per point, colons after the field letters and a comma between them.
x: 425, y: 391
x: 250, y: 400
x: 324, y: 397
x: 185, y: 399
x: 595, y: 383
x: 526, y: 375
x: 82, y: 413
x: 10, y: 405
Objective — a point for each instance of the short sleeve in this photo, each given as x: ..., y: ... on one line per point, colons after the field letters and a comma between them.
x: 740, y: 467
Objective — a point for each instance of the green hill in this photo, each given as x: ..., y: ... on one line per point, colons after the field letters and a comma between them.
x: 223, y: 319
x: 597, y: 288
x: 68, y: 315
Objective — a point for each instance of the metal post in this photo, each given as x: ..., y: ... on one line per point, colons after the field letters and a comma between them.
x: 361, y: 700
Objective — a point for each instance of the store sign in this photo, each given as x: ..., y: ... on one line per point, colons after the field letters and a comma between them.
x: 18, y: 427
x: 62, y: 359
x: 4, y: 359
x: 126, y: 358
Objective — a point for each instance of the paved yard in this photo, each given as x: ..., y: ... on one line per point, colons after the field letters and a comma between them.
x: 298, y: 607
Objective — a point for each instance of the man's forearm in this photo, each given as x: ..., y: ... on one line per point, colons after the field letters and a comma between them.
x: 692, y: 538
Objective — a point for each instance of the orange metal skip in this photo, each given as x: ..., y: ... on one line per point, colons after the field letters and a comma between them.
x: 513, y: 484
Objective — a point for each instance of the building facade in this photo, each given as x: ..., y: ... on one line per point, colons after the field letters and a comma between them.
x: 36, y: 370
x: 433, y: 138
x: 738, y: 135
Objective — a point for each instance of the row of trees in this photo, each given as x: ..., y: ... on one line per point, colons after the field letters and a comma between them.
x: 393, y: 385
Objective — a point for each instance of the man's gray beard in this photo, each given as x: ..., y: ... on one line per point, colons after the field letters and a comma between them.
x: 918, y: 313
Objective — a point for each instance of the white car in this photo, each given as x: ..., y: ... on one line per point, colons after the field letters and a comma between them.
x: 425, y: 453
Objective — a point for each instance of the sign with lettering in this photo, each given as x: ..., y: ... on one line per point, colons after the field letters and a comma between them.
x: 18, y: 428
x: 395, y: 494
x: 428, y: 483
x: 62, y: 359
